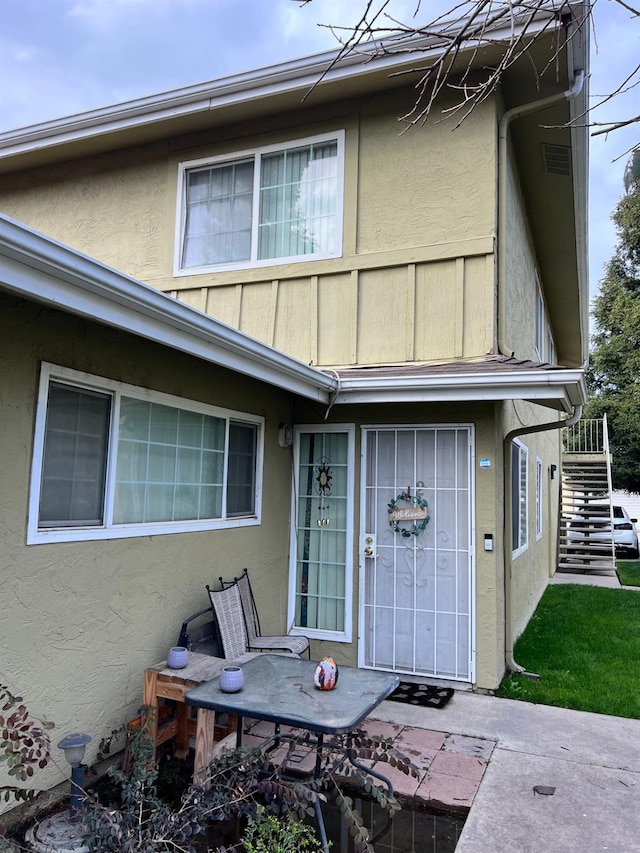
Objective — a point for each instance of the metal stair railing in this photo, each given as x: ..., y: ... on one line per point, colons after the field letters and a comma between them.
x: 585, y: 492
x: 588, y: 435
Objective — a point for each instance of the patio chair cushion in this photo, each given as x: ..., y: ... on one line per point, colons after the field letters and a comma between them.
x: 295, y: 645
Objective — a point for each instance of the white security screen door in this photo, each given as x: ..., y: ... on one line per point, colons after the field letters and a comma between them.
x: 416, y: 576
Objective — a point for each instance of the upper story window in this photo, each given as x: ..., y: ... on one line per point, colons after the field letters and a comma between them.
x: 112, y: 460
x: 259, y: 207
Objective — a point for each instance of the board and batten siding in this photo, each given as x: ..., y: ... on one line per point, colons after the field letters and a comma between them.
x: 426, y: 304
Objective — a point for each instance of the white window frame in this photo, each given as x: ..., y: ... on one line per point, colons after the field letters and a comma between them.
x: 520, y: 496
x: 109, y: 530
x: 320, y: 633
x: 337, y: 136
x: 540, y: 323
x: 539, y: 498
x: 543, y: 338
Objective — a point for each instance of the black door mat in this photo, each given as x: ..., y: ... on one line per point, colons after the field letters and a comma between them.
x: 421, y: 694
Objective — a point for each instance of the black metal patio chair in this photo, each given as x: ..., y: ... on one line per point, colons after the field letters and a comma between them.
x: 199, y: 633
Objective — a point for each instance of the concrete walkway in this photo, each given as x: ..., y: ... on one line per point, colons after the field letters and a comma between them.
x: 588, y: 579
x: 592, y: 760
x: 533, y: 778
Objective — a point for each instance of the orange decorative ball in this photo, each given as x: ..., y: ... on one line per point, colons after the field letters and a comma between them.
x: 325, y: 676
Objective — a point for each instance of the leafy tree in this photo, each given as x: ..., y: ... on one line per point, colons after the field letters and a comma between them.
x: 614, y: 372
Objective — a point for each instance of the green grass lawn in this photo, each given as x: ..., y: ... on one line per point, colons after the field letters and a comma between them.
x: 629, y: 572
x: 584, y: 642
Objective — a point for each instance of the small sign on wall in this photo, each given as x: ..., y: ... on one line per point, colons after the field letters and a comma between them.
x: 485, y: 462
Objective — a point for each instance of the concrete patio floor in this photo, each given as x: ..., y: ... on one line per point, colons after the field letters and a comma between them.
x: 450, y: 767
x: 488, y: 758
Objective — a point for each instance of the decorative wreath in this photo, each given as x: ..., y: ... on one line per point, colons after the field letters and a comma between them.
x: 415, y: 529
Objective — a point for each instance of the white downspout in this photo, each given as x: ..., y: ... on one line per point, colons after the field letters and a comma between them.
x: 507, y: 118
x: 503, y: 133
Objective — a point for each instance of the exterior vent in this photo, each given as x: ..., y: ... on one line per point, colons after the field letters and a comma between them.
x: 557, y: 159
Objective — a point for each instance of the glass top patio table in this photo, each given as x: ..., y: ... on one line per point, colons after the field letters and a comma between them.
x: 280, y: 689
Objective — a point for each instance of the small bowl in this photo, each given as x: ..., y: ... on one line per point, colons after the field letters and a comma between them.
x: 231, y: 679
x: 177, y: 657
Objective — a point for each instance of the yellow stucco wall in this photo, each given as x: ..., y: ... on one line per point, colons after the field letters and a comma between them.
x: 81, y: 620
x: 532, y: 568
x: 520, y: 275
x: 416, y: 279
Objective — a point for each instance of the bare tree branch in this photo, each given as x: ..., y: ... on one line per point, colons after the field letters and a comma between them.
x: 610, y: 126
x: 452, y: 42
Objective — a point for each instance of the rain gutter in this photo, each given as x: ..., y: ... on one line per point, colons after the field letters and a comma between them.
x: 38, y: 268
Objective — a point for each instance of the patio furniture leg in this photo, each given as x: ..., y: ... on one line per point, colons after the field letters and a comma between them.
x: 150, y: 701
x: 239, y: 724
x: 321, y: 828
x: 351, y: 753
x: 204, y: 742
x: 181, y: 749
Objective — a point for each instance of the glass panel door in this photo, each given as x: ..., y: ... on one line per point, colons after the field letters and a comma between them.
x: 323, y: 531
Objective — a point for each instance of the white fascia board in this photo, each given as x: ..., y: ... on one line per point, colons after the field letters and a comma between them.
x: 299, y: 74
x: 562, y: 389
x: 38, y: 268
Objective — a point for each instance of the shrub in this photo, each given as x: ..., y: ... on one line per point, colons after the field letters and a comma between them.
x: 240, y: 783
x: 24, y: 744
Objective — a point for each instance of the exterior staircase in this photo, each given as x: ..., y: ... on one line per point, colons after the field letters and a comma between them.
x: 585, y: 536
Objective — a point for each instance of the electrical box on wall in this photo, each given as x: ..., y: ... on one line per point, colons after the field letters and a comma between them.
x: 488, y: 541
x: 285, y: 435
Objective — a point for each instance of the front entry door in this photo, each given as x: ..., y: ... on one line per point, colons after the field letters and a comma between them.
x: 416, y: 557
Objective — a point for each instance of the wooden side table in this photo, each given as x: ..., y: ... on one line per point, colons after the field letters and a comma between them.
x: 161, y: 682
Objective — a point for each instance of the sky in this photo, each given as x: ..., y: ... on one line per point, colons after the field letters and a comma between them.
x: 60, y: 57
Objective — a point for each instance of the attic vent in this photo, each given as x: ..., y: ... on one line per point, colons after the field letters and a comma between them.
x: 557, y: 159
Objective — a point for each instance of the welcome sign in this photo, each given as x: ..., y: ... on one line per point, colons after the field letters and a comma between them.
x: 409, y: 513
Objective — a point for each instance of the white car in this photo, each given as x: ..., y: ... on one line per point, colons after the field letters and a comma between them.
x: 595, y: 528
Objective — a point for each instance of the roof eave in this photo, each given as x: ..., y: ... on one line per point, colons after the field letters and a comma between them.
x: 557, y: 389
x: 38, y: 268
x: 295, y: 76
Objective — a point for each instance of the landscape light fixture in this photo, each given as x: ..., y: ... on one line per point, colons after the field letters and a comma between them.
x: 74, y: 746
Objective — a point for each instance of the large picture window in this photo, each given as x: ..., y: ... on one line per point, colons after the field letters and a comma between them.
x: 115, y: 460
x: 321, y: 561
x: 261, y: 206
